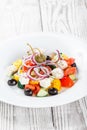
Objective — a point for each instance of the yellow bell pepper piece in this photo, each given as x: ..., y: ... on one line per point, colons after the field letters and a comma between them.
x: 17, y: 63
x: 65, y: 57
x: 32, y: 82
x: 20, y: 71
x: 16, y: 77
x: 56, y: 83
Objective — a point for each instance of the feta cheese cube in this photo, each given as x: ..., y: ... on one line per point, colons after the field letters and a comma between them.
x: 11, y: 69
x: 57, y: 73
x: 62, y: 64
x: 45, y: 83
x: 23, y: 80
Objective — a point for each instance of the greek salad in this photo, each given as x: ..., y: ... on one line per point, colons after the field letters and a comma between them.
x: 40, y: 74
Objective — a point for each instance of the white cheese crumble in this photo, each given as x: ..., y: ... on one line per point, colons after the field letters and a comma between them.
x: 11, y: 69
x: 57, y: 73
x: 45, y: 83
x: 62, y: 64
x: 23, y: 80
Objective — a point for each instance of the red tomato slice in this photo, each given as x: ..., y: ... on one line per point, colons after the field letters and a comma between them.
x: 67, y: 82
x: 24, y: 69
x: 30, y: 63
x: 37, y: 88
x: 70, y: 70
x: 32, y: 87
x: 70, y: 61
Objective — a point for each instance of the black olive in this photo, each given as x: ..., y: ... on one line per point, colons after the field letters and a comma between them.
x: 48, y: 58
x: 28, y: 92
x: 52, y: 91
x: 73, y: 65
x: 12, y: 82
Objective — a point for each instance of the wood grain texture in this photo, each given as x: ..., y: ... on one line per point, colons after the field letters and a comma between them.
x: 25, y: 16
x: 66, y: 16
x: 18, y: 17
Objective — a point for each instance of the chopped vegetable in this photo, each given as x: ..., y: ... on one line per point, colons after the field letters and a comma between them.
x: 42, y: 93
x: 16, y: 77
x: 29, y: 63
x: 67, y: 82
x: 56, y: 83
x: 24, y: 69
x: 63, y: 56
x: 70, y: 70
x: 37, y: 89
x: 32, y: 87
x: 20, y: 85
x: 33, y: 82
x: 52, y: 66
x: 70, y: 61
x: 73, y: 76
x: 17, y: 63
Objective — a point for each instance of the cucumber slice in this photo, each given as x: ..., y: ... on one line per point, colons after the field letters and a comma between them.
x: 52, y: 66
x: 20, y: 85
x: 42, y: 93
x: 72, y: 76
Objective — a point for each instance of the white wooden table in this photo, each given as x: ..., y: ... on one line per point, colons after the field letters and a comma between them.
x: 25, y: 16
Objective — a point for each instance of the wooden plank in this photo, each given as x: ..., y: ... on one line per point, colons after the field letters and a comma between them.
x: 69, y: 117
x: 32, y: 119
x: 83, y: 106
x: 6, y: 116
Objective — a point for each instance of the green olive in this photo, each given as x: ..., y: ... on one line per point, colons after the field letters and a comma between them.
x: 40, y: 58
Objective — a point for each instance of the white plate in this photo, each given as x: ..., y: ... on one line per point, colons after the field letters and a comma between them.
x: 16, y: 47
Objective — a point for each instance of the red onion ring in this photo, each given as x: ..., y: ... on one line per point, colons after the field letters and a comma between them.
x: 44, y: 69
x: 58, y: 54
x: 26, y: 59
x: 40, y: 76
x: 29, y: 75
x: 28, y: 66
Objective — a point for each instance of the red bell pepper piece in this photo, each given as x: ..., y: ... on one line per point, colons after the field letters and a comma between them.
x: 67, y: 82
